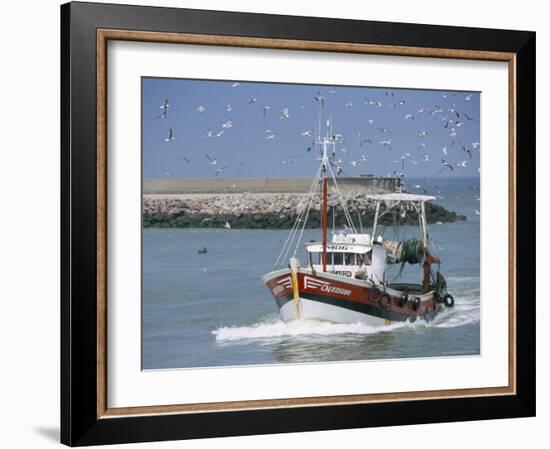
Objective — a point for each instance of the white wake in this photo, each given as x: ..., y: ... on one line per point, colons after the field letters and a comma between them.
x: 465, y: 311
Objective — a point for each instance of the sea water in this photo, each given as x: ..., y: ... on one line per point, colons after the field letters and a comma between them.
x: 212, y: 309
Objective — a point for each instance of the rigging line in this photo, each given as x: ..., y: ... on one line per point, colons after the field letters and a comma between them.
x: 280, y: 258
x: 346, y: 212
x: 290, y: 239
x: 317, y: 180
x: 286, y: 249
x: 305, y: 217
x: 290, y: 236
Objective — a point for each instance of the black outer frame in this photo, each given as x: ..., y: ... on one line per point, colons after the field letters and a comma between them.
x: 79, y: 422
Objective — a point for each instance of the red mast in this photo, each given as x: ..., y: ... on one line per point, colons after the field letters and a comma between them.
x: 325, y: 224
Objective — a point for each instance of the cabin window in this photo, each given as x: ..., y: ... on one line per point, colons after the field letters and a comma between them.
x: 349, y: 258
x: 338, y: 258
x: 318, y: 258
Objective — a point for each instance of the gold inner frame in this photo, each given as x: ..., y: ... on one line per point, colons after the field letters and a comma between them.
x: 104, y: 35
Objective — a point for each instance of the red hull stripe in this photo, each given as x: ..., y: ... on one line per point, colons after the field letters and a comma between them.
x: 367, y: 309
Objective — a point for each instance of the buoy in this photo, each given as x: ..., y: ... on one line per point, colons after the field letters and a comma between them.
x: 202, y: 250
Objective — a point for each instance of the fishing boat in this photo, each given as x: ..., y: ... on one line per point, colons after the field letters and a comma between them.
x: 345, y: 279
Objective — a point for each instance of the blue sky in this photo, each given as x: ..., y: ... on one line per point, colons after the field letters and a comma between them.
x: 421, y: 124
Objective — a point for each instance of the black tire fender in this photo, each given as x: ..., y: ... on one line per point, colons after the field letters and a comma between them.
x: 384, y: 300
x: 449, y: 300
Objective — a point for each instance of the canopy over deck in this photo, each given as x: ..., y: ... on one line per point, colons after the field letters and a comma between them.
x: 401, y: 197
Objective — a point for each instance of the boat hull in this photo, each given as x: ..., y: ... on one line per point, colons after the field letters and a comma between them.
x: 328, y: 297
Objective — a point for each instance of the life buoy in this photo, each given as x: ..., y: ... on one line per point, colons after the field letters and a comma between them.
x: 449, y: 300
x: 384, y: 300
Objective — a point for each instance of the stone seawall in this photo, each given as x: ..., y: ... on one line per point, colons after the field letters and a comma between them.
x: 263, y: 211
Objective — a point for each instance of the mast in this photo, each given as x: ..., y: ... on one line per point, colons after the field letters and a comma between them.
x: 423, y: 224
x: 325, y: 224
x: 375, y: 224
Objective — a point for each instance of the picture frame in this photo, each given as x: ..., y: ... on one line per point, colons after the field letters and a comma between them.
x: 86, y: 28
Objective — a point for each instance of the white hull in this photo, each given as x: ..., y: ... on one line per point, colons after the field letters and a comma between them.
x: 314, y: 310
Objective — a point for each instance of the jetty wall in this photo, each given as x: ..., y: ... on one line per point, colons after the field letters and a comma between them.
x: 366, y: 183
x: 267, y: 210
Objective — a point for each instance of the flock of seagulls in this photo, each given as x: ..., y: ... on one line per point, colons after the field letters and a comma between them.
x: 447, y: 117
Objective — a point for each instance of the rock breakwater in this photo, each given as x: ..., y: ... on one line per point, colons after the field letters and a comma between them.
x: 263, y: 211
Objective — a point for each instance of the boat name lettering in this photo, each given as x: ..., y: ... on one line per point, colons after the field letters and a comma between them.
x: 338, y: 247
x: 341, y: 273
x: 338, y: 290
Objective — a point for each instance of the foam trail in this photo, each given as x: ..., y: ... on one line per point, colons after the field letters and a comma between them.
x: 278, y: 328
x: 465, y: 311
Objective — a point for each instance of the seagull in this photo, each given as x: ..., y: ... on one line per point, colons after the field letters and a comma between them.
x: 235, y: 84
x: 476, y: 211
x: 444, y: 151
x: 467, y: 150
x: 361, y: 159
x: 385, y: 143
x: 211, y: 161
x: 446, y: 165
x: 370, y: 121
x: 164, y: 106
x: 284, y: 114
x: 227, y: 225
x: 409, y: 117
x: 468, y: 118
x: 319, y: 98
x: 468, y: 97
x: 211, y: 133
x: 228, y: 124
x: 201, y: 109
x: 349, y: 104
x: 332, y: 91
x: 167, y: 173
x: 180, y: 156
x: 170, y: 136
x: 462, y: 164
x: 454, y: 111
x: 423, y: 133
x: 228, y: 107
x: 384, y: 131
x: 475, y: 145
x: 426, y: 157
x: 307, y: 133
x: 270, y: 136
x: 265, y: 109
x: 252, y: 100
x: 220, y: 170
